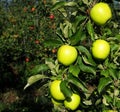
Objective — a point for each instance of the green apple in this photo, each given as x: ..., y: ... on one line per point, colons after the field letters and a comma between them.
x: 72, y: 103
x: 67, y: 54
x: 100, y: 49
x: 56, y: 102
x: 110, y: 111
x: 55, y: 90
x: 100, y: 13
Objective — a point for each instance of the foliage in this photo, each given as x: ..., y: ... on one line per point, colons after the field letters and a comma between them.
x: 97, y: 82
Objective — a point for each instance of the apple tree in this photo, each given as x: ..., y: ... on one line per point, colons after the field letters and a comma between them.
x: 96, y: 81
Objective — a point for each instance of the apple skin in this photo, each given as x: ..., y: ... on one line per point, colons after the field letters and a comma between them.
x: 57, y: 102
x: 73, y: 103
x: 67, y: 54
x: 100, y: 13
x: 55, y: 90
x: 110, y: 111
x: 100, y: 49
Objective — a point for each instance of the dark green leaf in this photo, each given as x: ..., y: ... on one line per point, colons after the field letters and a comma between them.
x: 76, y: 37
x: 77, y: 82
x: 65, y: 89
x: 52, y: 43
x: 76, y: 22
x: 86, y: 68
x: 103, y: 83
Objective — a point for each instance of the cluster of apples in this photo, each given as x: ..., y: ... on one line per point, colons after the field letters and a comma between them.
x: 100, y: 13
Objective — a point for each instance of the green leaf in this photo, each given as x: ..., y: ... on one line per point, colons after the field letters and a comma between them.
x: 63, y: 12
x: 65, y: 89
x: 75, y: 70
x: 53, y: 66
x: 77, y: 82
x: 31, y: 80
x: 113, y: 73
x: 86, y: 68
x: 118, y: 103
x: 39, y: 68
x: 52, y: 42
x: 76, y: 22
x: 118, y: 74
x: 86, y: 2
x: 76, y: 37
x: 58, y: 5
x: 105, y: 73
x: 86, y: 54
x: 90, y: 30
x: 103, y: 83
x: 70, y: 4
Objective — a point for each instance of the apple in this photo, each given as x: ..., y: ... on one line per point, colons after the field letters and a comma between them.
x: 110, y: 111
x: 55, y: 90
x: 67, y: 54
x: 56, y: 102
x: 100, y: 13
x: 72, y: 103
x: 100, y: 49
x: 51, y: 16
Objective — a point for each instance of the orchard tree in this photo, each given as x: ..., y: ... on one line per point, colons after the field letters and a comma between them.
x: 90, y: 68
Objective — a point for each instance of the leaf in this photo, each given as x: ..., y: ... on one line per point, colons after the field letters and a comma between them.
x: 87, y: 61
x: 90, y: 30
x: 77, y: 82
x: 52, y: 42
x: 86, y: 68
x: 63, y: 12
x: 31, y: 80
x: 54, y: 67
x: 39, y: 68
x: 65, y: 89
x: 86, y: 2
x: 118, y: 74
x: 84, y: 51
x: 75, y: 70
x: 70, y: 3
x: 58, y: 5
x: 103, y: 83
x: 105, y: 73
x: 113, y: 73
x: 66, y: 31
x: 76, y: 37
x: 77, y: 21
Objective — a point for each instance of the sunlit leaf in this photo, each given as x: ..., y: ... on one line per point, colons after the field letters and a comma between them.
x: 58, y: 5
x: 90, y: 30
x: 70, y: 3
x: 33, y: 79
x: 74, y: 69
x: 84, y: 51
